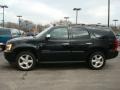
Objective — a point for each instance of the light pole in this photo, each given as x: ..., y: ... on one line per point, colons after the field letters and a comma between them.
x: 19, y: 22
x: 108, y: 13
x: 115, y: 20
x: 76, y: 9
x: 98, y: 23
x: 3, y: 6
x: 66, y: 18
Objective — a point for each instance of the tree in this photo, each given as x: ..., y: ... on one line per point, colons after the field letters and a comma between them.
x: 11, y: 25
x: 40, y: 27
x: 61, y: 22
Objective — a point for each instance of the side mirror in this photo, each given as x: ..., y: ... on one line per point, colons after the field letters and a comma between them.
x: 48, y: 36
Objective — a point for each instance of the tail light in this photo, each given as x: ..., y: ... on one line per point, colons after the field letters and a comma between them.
x: 115, y: 44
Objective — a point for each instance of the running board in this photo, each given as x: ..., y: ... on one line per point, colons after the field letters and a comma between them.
x: 42, y: 62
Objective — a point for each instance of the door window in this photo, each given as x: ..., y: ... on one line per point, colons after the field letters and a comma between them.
x: 59, y: 33
x: 79, y: 33
x: 4, y: 32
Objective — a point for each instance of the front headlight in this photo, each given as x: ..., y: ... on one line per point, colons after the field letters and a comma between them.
x: 8, y: 47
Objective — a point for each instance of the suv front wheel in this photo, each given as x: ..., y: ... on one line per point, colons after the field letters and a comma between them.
x: 25, y: 61
x: 97, y: 61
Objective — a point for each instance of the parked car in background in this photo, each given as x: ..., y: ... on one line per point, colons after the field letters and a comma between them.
x: 7, y: 34
x: 30, y: 34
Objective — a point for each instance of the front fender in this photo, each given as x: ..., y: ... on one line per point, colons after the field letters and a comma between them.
x: 25, y: 47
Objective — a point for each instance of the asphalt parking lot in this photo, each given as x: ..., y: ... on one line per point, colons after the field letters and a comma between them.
x: 61, y: 77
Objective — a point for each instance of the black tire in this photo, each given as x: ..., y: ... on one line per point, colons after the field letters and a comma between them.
x: 26, y: 63
x: 96, y: 61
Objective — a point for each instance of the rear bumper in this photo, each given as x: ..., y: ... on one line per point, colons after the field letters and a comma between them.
x: 112, y: 54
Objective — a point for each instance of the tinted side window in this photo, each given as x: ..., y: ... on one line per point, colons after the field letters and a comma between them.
x: 100, y: 33
x: 59, y: 33
x: 79, y: 33
x: 4, y: 32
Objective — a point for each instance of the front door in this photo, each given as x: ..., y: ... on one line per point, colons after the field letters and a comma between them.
x: 56, y: 48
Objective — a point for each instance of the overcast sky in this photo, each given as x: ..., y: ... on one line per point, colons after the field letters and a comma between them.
x: 46, y: 11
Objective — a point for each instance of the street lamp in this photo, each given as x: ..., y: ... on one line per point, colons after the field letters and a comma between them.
x: 19, y: 22
x: 3, y: 6
x: 108, y: 13
x: 115, y: 20
x: 76, y: 9
x: 98, y: 23
x: 66, y: 18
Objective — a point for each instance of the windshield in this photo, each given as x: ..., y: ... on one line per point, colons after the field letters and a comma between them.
x: 43, y: 32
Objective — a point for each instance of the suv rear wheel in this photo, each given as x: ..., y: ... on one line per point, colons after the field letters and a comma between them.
x: 25, y: 61
x: 97, y: 61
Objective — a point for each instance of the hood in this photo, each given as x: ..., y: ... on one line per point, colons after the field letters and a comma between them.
x: 22, y: 39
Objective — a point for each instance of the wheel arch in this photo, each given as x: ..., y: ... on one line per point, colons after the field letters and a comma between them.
x: 23, y: 49
x: 98, y: 49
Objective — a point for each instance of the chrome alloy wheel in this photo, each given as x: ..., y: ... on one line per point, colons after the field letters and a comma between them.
x: 97, y: 61
x: 25, y: 61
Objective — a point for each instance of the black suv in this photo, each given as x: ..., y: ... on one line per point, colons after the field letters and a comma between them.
x: 63, y: 44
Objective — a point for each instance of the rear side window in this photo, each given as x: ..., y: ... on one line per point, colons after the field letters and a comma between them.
x: 4, y: 32
x: 100, y: 33
x: 79, y: 33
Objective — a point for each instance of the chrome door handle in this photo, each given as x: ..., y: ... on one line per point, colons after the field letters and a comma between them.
x: 65, y: 44
x: 89, y: 43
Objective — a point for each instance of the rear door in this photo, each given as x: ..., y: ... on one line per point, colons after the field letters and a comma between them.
x: 80, y: 42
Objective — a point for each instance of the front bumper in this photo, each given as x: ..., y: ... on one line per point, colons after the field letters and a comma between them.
x: 2, y: 46
x: 9, y: 56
